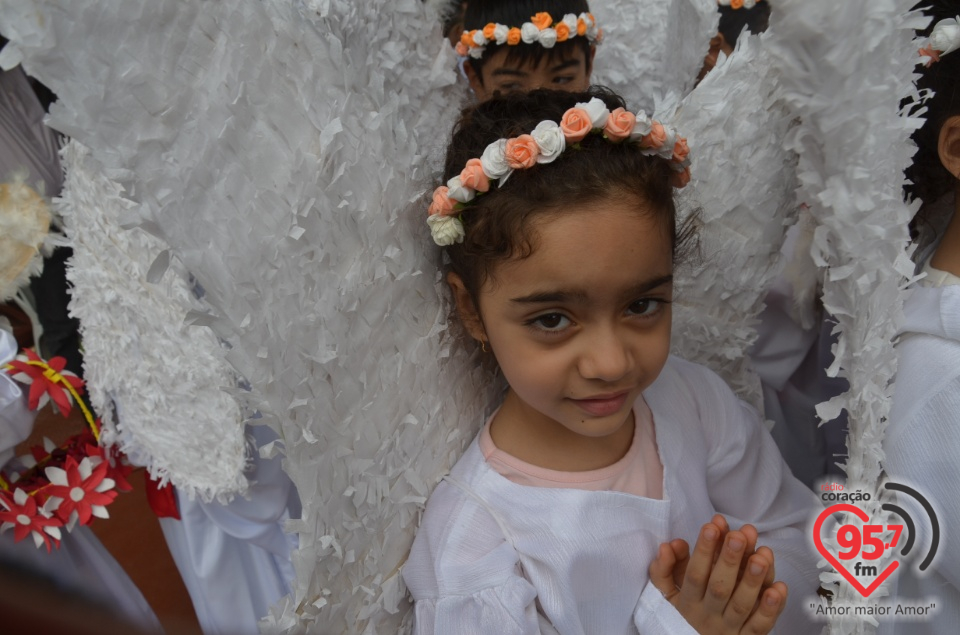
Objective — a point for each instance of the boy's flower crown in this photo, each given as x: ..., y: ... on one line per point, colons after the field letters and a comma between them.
x: 547, y: 141
x: 541, y: 28
x: 739, y: 4
x: 945, y: 38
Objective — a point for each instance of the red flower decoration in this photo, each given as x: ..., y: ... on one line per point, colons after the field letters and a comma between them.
x: 45, y: 380
x: 25, y: 518
x: 83, y: 489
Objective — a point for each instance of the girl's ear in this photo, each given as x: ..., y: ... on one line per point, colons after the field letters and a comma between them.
x: 466, y: 308
x: 949, y: 145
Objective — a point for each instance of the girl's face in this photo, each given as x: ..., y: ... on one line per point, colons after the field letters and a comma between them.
x: 581, y: 326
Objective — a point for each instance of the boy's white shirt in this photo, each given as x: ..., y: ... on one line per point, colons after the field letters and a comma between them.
x: 491, y: 554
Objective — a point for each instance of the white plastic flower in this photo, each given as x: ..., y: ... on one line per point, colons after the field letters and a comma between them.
x: 549, y: 138
x: 571, y: 21
x: 642, y: 128
x: 597, y: 110
x: 591, y: 25
x: 548, y: 37
x: 666, y: 150
x: 749, y: 4
x: 500, y: 33
x: 478, y: 38
x: 476, y: 52
x: 946, y: 36
x: 458, y: 192
x: 494, y: 161
x: 446, y: 230
x: 529, y: 32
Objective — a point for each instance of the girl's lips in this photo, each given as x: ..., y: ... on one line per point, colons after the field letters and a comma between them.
x: 603, y: 406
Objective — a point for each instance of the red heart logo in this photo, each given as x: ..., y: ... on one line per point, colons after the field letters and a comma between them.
x: 818, y: 541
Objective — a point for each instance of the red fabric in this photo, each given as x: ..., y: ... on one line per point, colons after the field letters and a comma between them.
x: 163, y: 500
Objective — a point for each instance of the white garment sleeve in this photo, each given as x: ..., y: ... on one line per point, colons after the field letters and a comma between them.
x: 923, y: 454
x: 464, y: 575
x: 749, y: 482
x: 655, y: 615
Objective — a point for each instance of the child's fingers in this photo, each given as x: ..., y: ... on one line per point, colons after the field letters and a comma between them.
x: 750, y: 532
x: 772, y: 602
x: 721, y: 523
x: 726, y: 571
x: 681, y: 551
x: 749, y: 590
x: 701, y: 563
x: 662, y: 570
x: 767, y: 554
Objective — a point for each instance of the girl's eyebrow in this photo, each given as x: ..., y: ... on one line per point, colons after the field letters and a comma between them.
x: 577, y: 295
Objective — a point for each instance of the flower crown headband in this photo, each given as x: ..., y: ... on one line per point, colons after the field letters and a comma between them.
x: 945, y: 38
x: 548, y: 141
x: 541, y: 28
x: 739, y: 4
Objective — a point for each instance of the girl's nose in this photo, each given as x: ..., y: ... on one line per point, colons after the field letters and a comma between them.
x: 605, y: 357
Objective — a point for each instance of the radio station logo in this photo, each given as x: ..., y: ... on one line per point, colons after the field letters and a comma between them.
x: 870, y: 552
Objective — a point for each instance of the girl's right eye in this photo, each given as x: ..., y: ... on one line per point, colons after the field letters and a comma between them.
x: 550, y: 322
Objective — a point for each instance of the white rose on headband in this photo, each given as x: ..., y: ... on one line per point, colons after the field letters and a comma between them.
x: 476, y: 52
x: 458, y: 191
x: 494, y: 160
x: 946, y: 36
x: 548, y: 37
x: 642, y: 127
x: 500, y: 33
x: 571, y: 21
x: 597, y: 110
x: 549, y: 137
x: 445, y: 230
x: 749, y: 4
x: 529, y: 32
x: 591, y: 25
x: 479, y: 39
x: 666, y: 150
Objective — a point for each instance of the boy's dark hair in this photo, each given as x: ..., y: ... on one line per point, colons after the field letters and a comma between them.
x: 498, y: 223
x: 928, y: 179
x: 733, y: 21
x: 514, y: 13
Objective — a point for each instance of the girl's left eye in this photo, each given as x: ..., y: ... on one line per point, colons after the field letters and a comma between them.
x: 645, y: 307
x: 550, y: 322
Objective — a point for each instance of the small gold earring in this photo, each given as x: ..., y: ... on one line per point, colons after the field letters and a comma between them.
x: 483, y: 346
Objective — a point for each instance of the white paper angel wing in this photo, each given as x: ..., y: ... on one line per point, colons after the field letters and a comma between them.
x: 276, y: 148
x: 743, y: 182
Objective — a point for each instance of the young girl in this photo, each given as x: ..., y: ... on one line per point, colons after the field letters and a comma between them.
x: 923, y: 436
x: 559, y: 223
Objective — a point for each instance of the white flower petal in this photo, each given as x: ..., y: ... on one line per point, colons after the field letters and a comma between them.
x: 548, y: 37
x: 500, y: 33
x: 446, y: 230
x: 53, y: 531
x: 494, y: 160
x: 550, y: 139
x: 571, y: 21
x: 106, y: 485
x: 99, y: 511
x: 38, y: 539
x: 529, y: 33
x: 19, y: 497
x: 457, y: 191
x: 597, y: 110
x: 85, y: 468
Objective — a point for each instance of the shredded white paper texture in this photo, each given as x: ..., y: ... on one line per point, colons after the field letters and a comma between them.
x: 743, y: 183
x: 158, y: 384
x: 844, y: 68
x: 278, y: 149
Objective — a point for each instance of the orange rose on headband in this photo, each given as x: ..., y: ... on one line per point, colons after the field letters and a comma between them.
x: 563, y: 32
x: 513, y: 36
x: 488, y: 30
x: 542, y: 20
x: 619, y: 124
x: 680, y: 151
x: 521, y: 153
x: 656, y: 138
x: 576, y: 124
x: 473, y: 176
x: 441, y: 204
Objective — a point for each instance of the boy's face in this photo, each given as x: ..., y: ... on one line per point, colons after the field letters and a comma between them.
x: 557, y: 73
